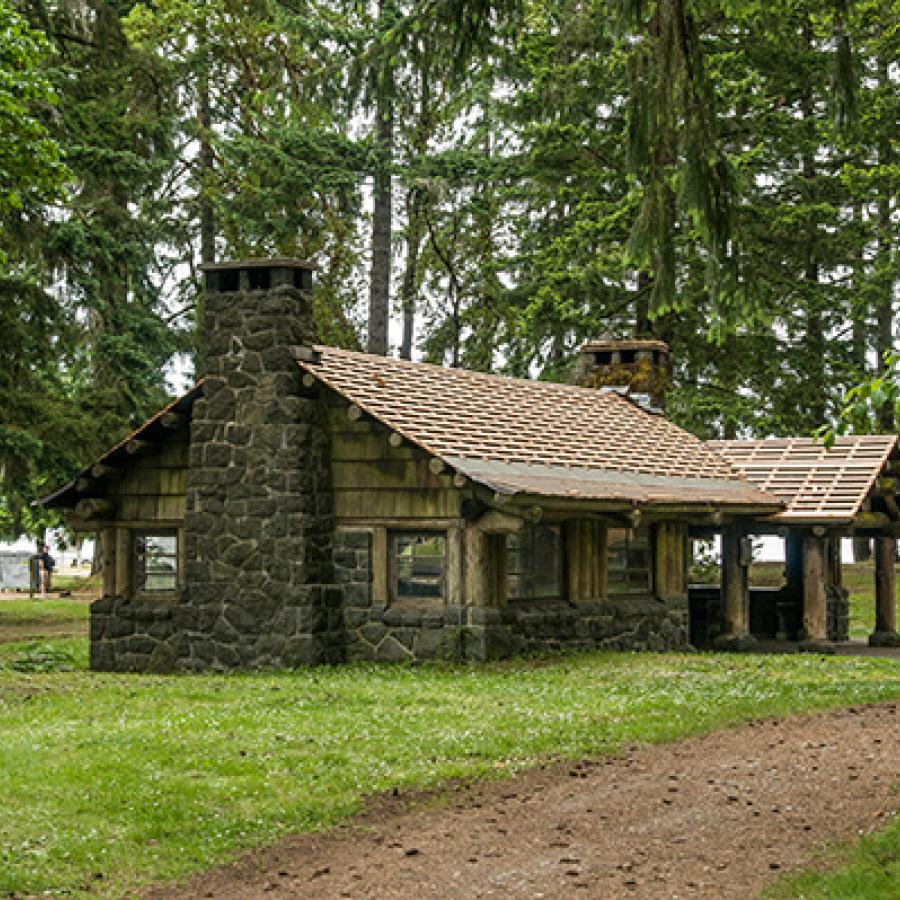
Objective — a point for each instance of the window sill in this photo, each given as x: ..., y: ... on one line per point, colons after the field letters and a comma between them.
x: 158, y: 599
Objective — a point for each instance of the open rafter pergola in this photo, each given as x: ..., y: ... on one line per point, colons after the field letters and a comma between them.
x: 849, y: 489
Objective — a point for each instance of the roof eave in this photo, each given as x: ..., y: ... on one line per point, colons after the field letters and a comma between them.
x: 66, y: 496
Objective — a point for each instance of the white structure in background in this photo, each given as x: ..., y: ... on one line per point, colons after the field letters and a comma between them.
x: 14, y: 556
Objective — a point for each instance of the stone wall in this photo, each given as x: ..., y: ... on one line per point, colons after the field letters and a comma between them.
x: 620, y: 623
x: 404, y: 632
x: 258, y: 528
x: 161, y: 634
x: 388, y: 633
x: 837, y: 612
x: 132, y: 635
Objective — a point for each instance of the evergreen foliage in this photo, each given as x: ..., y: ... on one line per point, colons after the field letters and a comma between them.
x: 720, y: 174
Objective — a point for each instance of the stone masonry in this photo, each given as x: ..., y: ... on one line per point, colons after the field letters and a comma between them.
x: 258, y: 530
x: 259, y: 525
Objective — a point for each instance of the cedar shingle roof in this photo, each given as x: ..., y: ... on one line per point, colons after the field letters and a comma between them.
x: 536, y: 437
x: 818, y: 484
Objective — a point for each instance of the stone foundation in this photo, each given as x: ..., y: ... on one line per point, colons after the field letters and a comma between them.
x: 621, y: 623
x: 132, y: 635
x: 837, y: 612
x: 272, y: 627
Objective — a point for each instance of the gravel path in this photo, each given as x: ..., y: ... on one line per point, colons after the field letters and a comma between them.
x: 717, y: 816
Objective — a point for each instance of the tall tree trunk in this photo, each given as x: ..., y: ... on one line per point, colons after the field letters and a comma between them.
x: 859, y: 314
x: 414, y: 232
x: 642, y: 305
x: 862, y: 547
x: 415, y: 223
x: 380, y: 272
x: 204, y: 111
x: 814, y: 339
x: 886, y: 275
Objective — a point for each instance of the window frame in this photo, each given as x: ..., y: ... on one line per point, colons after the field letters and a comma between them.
x: 394, y: 596
x: 137, y: 561
x: 647, y: 589
x: 561, y: 566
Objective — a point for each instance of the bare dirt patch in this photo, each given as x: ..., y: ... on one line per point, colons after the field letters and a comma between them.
x: 717, y: 816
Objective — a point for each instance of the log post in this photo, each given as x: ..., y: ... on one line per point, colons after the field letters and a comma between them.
x: 815, y: 622
x: 108, y: 557
x: 123, y: 562
x: 735, y: 594
x: 479, y: 568
x: 885, y: 634
x: 455, y: 574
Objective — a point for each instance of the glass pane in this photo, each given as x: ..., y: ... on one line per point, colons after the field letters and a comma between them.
x: 156, y: 562
x: 547, y: 561
x: 629, y: 560
x: 534, y: 563
x: 165, y: 544
x: 420, y: 565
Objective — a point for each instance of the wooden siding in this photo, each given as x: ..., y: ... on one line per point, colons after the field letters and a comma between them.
x: 671, y: 559
x: 154, y: 486
x: 374, y: 481
x: 585, y: 547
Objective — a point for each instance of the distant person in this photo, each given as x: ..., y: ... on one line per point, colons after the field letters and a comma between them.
x: 46, y: 565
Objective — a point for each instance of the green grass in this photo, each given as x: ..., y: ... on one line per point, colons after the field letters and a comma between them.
x: 869, y: 868
x: 42, y: 611
x: 74, y: 648
x: 90, y: 584
x: 859, y: 579
x: 140, y: 778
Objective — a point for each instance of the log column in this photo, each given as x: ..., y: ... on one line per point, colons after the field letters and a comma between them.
x: 885, y: 634
x: 815, y: 619
x: 735, y: 594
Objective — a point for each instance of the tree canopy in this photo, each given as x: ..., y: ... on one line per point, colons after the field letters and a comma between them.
x: 481, y: 184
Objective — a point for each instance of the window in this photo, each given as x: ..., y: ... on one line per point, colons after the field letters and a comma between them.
x: 534, y: 563
x: 155, y: 561
x: 419, y: 565
x: 629, y: 561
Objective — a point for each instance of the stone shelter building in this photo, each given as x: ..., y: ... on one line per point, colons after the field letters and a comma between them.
x: 304, y: 504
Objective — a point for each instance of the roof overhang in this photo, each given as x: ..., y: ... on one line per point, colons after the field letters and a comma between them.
x: 838, y: 487
x: 66, y: 496
x: 614, y: 487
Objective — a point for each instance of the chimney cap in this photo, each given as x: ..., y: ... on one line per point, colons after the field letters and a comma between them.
x: 624, y: 344
x: 259, y: 262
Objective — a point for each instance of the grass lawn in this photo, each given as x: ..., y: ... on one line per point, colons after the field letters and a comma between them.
x: 41, y: 611
x: 868, y: 869
x: 25, y: 620
x: 89, y: 584
x: 110, y: 781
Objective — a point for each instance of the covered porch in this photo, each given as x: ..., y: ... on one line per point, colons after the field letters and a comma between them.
x: 851, y: 489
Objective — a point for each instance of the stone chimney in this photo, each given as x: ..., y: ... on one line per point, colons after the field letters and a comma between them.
x: 259, y: 527
x: 641, y: 368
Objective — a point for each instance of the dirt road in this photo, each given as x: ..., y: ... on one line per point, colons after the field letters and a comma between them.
x: 718, y: 816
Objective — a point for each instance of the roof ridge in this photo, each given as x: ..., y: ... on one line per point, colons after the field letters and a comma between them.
x: 465, y: 373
